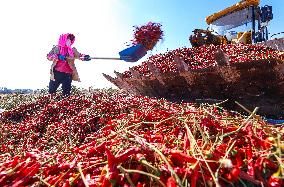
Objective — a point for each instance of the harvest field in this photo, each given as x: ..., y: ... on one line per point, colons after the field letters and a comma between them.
x: 111, y: 138
x: 198, y: 116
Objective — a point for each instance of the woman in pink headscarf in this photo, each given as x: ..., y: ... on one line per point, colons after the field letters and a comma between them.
x: 63, y: 69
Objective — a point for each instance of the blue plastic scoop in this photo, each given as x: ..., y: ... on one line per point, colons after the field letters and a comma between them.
x: 131, y: 54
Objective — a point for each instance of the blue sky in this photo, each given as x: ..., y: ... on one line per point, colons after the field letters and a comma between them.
x: 179, y: 18
x: 30, y: 28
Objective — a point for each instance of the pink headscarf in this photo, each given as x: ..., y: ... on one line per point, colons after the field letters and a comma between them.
x: 62, y: 45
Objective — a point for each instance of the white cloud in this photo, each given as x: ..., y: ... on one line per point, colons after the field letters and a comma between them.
x: 30, y: 28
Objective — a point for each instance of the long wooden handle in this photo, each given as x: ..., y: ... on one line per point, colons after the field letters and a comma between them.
x: 105, y: 58
x: 102, y: 58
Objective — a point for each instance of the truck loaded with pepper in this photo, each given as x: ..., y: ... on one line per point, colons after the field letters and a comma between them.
x: 244, y: 67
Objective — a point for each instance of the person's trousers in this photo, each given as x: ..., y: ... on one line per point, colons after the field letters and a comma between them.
x: 61, y: 78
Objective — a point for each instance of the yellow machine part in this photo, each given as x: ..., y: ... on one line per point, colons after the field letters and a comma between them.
x: 224, y: 40
x: 243, y: 37
x: 239, y: 6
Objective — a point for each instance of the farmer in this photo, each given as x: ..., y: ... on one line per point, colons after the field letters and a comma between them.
x: 63, y: 69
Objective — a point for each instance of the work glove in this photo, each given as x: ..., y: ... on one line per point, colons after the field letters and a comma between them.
x: 86, y: 58
x: 61, y: 57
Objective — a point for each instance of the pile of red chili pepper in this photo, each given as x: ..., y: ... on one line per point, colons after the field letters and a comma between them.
x: 148, y: 35
x: 115, y: 139
x: 201, y: 57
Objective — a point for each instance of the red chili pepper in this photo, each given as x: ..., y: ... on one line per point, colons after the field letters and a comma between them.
x: 186, y: 144
x: 171, y: 182
x: 233, y: 175
x: 112, y: 168
x: 124, y: 156
x: 249, y: 178
x: 182, y: 157
x: 275, y: 180
x: 66, y: 183
x: 239, y: 160
x: 136, y: 176
x: 221, y: 148
x: 106, y: 183
x: 34, y: 169
x: 111, y: 160
x: 259, y: 169
x: 52, y: 179
x: 19, y: 182
x: 140, y: 184
x: 250, y: 161
x: 194, y: 177
x: 271, y: 165
x: 98, y: 149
